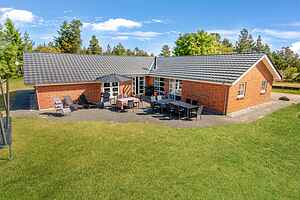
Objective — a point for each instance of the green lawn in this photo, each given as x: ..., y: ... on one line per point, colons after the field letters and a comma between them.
x: 18, y: 84
x: 97, y: 160
x: 288, y: 91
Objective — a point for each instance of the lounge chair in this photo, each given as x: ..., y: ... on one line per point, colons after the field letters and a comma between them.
x: 68, y: 103
x: 59, y: 107
x: 85, y: 103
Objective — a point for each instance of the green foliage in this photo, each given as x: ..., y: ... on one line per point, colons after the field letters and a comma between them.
x: 165, y: 51
x: 46, y: 48
x: 11, y: 51
x: 260, y: 46
x: 287, y: 62
x: 289, y: 73
x: 27, y: 43
x: 94, y: 46
x: 245, y: 44
x: 199, y: 43
x: 139, y: 52
x: 69, y: 37
x: 119, y: 50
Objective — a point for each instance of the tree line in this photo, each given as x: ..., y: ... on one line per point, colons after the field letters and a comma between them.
x: 204, y: 43
x: 68, y: 40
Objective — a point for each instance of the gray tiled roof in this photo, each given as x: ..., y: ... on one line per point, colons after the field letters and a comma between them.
x: 213, y: 68
x: 43, y: 68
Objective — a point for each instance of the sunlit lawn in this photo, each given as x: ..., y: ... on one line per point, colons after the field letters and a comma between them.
x: 98, y: 160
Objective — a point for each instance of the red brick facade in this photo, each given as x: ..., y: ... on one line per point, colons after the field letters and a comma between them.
x: 210, y: 95
x: 45, y: 94
x: 218, y: 97
x: 253, y: 95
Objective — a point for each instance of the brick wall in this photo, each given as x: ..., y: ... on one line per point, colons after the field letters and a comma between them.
x: 210, y: 95
x: 253, y: 96
x: 45, y: 94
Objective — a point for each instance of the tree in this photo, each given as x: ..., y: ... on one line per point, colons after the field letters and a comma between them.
x: 119, y: 50
x: 69, y: 37
x: 199, y: 43
x: 165, y: 51
x: 94, y: 47
x: 13, y: 53
x: 10, y: 46
x: 226, y: 46
x: 27, y: 43
x: 245, y: 44
x: 261, y: 47
x: 285, y: 58
x: 108, y: 50
x: 46, y: 48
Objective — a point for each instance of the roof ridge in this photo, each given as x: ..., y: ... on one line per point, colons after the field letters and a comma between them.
x: 91, y: 55
x: 221, y: 54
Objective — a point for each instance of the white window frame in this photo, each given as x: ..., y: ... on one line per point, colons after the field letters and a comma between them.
x: 264, y: 86
x: 159, y: 85
x: 111, y: 88
x: 141, y: 89
x: 175, y: 87
x: 242, y: 90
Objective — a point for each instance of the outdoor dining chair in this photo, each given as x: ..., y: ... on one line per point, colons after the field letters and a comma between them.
x: 130, y: 104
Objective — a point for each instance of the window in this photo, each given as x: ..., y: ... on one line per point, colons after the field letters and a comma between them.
x: 112, y: 88
x: 159, y: 85
x: 264, y: 86
x: 138, y: 85
x: 242, y: 90
x: 175, y: 87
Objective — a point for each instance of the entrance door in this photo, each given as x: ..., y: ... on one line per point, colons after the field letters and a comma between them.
x: 138, y: 85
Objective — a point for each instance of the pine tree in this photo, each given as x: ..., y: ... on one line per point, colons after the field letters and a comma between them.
x: 245, y: 44
x: 108, y: 50
x: 69, y: 37
x: 261, y: 47
x: 14, y: 48
x: 165, y: 51
x: 94, y: 47
x: 27, y: 43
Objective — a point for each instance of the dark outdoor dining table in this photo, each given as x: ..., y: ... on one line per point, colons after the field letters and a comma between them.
x: 188, y: 107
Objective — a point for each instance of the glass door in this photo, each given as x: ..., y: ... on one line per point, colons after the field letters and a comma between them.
x: 112, y: 88
x: 138, y: 85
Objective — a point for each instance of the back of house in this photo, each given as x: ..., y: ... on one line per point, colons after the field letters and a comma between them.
x: 222, y: 83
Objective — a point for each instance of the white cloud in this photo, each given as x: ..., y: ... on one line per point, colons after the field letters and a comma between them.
x: 23, y: 16
x: 279, y: 34
x: 157, y: 20
x: 296, y: 47
x: 120, y: 38
x: 141, y: 34
x: 113, y: 24
x: 294, y: 24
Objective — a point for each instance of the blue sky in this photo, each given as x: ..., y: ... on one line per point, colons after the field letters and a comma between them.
x: 150, y: 24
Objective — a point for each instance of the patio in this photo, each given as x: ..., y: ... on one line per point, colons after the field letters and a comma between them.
x: 142, y: 116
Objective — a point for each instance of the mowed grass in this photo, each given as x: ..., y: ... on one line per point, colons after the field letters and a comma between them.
x: 97, y: 160
x: 287, y: 91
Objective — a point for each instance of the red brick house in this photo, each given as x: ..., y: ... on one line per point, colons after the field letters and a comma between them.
x: 222, y: 83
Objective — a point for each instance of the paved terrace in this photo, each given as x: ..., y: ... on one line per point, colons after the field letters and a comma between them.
x: 22, y: 107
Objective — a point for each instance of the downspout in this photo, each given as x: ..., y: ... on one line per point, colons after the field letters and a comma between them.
x: 226, y: 99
